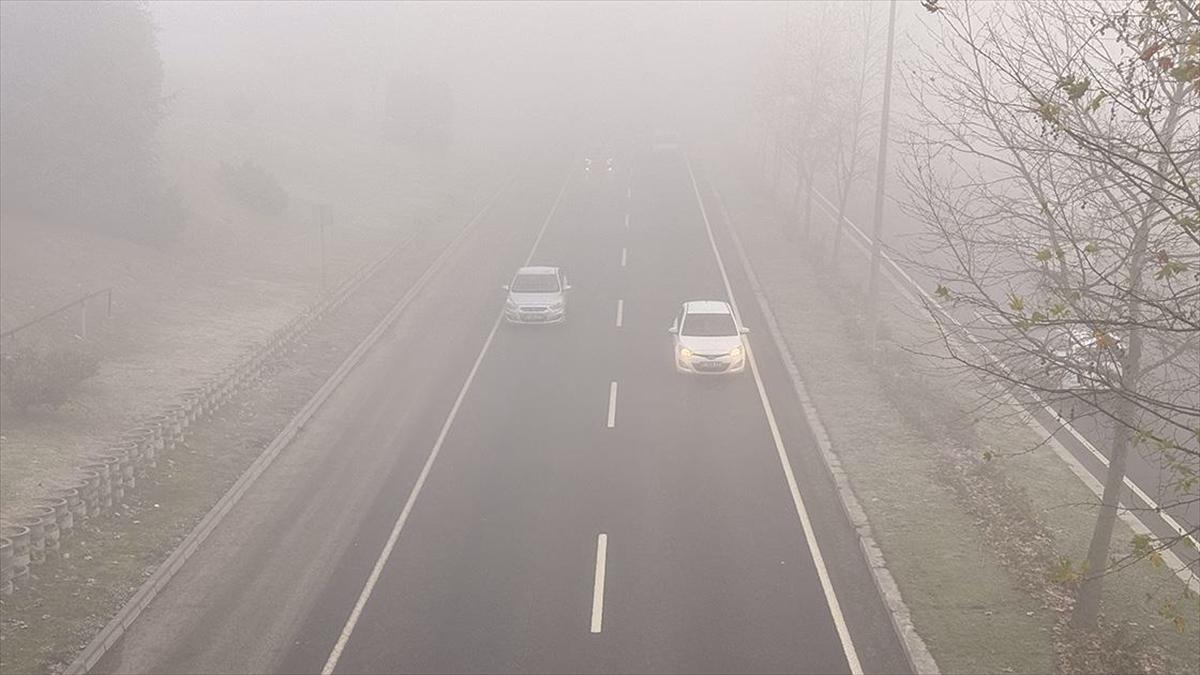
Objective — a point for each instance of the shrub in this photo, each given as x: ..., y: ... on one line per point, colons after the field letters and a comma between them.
x: 29, y: 378
x: 254, y: 188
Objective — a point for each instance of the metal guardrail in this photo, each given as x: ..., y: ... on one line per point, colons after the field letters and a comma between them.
x: 81, y: 302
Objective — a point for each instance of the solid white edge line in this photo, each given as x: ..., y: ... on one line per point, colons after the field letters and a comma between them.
x: 1181, y: 569
x: 620, y: 312
x: 835, y: 609
x: 612, y: 405
x: 598, y: 585
x: 381, y: 562
x: 152, y: 586
x: 622, y: 256
x: 920, y: 660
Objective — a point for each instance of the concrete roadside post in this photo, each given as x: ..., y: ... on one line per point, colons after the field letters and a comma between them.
x: 161, y: 424
x: 47, y: 518
x: 59, y: 515
x: 101, y: 499
x: 6, y: 566
x: 18, y: 537
x: 126, y: 452
x: 66, y: 516
x: 37, y: 537
x: 116, y: 481
x: 72, y: 490
x: 91, y: 492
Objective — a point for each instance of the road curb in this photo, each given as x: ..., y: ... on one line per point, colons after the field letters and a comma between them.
x: 141, y: 599
x: 920, y: 660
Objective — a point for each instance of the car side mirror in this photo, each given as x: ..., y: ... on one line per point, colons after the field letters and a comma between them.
x: 744, y: 331
x: 673, y: 330
x: 504, y: 287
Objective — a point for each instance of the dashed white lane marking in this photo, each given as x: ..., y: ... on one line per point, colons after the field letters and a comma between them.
x: 598, y: 586
x: 629, y: 192
x: 620, y: 312
x: 612, y: 405
x: 835, y: 608
x: 381, y: 562
x: 626, y: 221
x: 622, y: 256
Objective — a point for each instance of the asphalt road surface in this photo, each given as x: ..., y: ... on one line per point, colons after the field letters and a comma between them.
x: 482, y: 497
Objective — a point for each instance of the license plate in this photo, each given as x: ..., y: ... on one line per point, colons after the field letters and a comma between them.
x: 709, y: 366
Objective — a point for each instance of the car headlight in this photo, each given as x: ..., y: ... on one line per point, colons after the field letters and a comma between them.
x: 736, y: 352
x: 512, y: 304
x: 685, y: 353
x: 555, y: 306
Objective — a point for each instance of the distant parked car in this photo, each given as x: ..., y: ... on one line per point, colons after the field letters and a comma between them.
x: 537, y: 295
x: 1087, y: 359
x: 707, y: 339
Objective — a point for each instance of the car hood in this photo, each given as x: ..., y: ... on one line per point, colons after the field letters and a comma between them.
x: 535, y: 299
x: 710, y: 345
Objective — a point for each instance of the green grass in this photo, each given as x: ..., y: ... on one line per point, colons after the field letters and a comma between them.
x: 1132, y: 596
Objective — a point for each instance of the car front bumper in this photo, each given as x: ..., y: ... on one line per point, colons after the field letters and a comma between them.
x: 513, y: 315
x: 718, y: 366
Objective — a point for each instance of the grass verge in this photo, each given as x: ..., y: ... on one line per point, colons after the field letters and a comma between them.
x: 44, y: 628
x: 972, y: 543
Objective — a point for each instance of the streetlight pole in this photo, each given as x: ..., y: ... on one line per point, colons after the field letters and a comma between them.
x: 323, y: 214
x: 880, y: 180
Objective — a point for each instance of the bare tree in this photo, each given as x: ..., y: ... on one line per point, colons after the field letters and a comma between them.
x: 853, y: 133
x: 798, y: 95
x: 1056, y: 168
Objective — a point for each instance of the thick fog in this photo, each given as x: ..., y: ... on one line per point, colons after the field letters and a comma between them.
x: 530, y: 71
x: 844, y: 336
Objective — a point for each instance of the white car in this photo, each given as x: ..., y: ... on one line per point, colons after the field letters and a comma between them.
x: 707, y: 339
x: 599, y: 164
x: 1085, y: 360
x: 537, y: 295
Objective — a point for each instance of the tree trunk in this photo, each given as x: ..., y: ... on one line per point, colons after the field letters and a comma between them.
x: 1087, y: 606
x: 1087, y: 601
x: 837, y: 228
x: 796, y: 193
x: 880, y: 183
x: 777, y: 169
x: 808, y: 198
x: 764, y: 154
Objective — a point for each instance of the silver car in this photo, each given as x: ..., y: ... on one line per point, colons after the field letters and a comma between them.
x: 537, y: 295
x: 708, y: 339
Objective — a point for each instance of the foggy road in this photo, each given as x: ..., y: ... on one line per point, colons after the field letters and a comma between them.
x: 575, y: 506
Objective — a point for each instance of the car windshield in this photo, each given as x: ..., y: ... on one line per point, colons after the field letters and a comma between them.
x: 535, y: 283
x: 708, y: 325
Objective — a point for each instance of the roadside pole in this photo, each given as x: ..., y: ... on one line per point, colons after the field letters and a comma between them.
x: 880, y: 180
x: 324, y: 215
